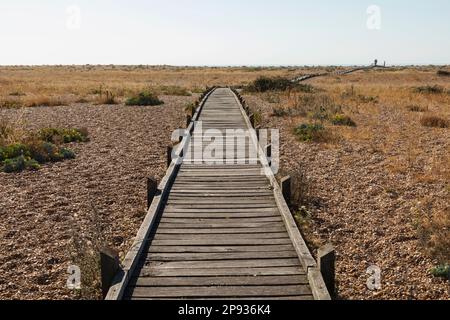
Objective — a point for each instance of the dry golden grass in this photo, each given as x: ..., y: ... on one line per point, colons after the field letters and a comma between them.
x: 31, y: 86
x: 392, y: 116
x: 407, y: 127
x: 434, y: 121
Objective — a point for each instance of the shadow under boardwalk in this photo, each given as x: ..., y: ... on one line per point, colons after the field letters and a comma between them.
x: 220, y: 234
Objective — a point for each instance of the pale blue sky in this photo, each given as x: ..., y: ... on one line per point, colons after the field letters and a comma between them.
x: 225, y: 32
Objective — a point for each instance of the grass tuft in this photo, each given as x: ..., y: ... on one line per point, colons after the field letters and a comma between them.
x: 312, y: 133
x: 443, y: 73
x: 433, y: 121
x: 342, y: 120
x: 144, y: 98
x: 264, y: 84
x: 416, y: 108
x: 429, y: 89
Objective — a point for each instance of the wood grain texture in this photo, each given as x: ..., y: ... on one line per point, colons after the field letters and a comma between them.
x: 220, y: 233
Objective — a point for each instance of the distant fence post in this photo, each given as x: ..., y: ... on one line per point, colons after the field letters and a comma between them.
x: 286, y: 189
x: 109, y: 265
x: 326, y: 257
x: 169, y: 155
x: 152, y: 188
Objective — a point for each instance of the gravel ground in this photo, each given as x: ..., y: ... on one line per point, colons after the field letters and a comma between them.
x: 39, y: 209
x: 365, y: 211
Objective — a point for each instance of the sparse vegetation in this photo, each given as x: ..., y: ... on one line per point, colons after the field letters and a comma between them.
x: 107, y: 98
x: 56, y: 135
x: 443, y: 73
x: 11, y: 104
x: 174, y: 91
x: 441, y: 271
x: 144, y: 98
x: 281, y: 112
x: 435, y: 89
x: 30, y: 150
x: 17, y: 94
x: 45, y: 101
x: 307, y: 132
x: 29, y: 155
x: 342, y: 120
x: 416, y: 108
x: 434, y: 121
x: 264, y: 84
x: 433, y: 231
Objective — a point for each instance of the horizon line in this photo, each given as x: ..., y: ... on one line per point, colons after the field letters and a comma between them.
x: 227, y: 66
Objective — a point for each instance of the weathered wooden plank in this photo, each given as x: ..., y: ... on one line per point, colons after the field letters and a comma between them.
x: 215, y: 225
x: 230, y: 231
x: 278, y: 235
x: 220, y: 256
x: 221, y: 194
x: 219, y: 215
x: 218, y: 221
x: 236, y: 206
x: 174, y: 209
x: 241, y: 291
x: 213, y: 264
x: 218, y: 281
x: 218, y: 249
x: 219, y: 242
x: 284, y: 298
x: 192, y: 272
x: 221, y: 234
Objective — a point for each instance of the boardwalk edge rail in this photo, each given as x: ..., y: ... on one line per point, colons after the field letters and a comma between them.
x: 131, y: 260
x: 315, y: 278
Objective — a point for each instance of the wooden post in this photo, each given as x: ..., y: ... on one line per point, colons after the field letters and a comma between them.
x: 109, y: 265
x: 286, y: 189
x: 268, y: 151
x: 326, y: 257
x: 188, y: 120
x: 152, y: 188
x: 169, y: 155
x: 257, y: 131
x: 252, y: 119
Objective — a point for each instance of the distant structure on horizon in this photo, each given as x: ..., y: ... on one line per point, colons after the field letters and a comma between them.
x: 376, y: 63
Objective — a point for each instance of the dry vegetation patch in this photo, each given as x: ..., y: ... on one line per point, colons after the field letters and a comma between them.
x: 434, y: 121
x: 366, y: 190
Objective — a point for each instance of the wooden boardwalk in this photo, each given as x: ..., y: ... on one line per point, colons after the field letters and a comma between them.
x: 219, y: 230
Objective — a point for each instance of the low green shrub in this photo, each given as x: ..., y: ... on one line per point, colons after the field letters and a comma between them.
x: 264, y: 84
x: 56, y: 135
x: 310, y: 132
x: 442, y: 271
x: 20, y: 163
x: 342, y: 120
x: 144, y: 98
x: 40, y: 148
